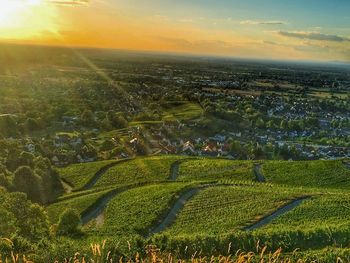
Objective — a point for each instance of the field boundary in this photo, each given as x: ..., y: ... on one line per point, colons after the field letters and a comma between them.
x: 178, y: 205
x: 280, y: 211
x: 97, y: 208
x: 101, y: 172
x: 175, y: 168
x: 67, y: 186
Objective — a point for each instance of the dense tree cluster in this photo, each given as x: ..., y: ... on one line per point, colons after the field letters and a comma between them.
x: 25, y: 172
x: 23, y: 222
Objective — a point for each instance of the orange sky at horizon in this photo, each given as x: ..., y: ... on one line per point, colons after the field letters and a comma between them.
x: 101, y: 24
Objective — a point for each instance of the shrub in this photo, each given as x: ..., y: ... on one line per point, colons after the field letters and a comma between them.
x: 69, y: 223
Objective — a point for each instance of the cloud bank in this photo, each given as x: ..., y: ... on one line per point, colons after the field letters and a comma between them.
x: 270, y: 22
x: 314, y: 36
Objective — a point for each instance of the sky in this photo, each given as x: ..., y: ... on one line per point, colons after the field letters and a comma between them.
x: 266, y: 29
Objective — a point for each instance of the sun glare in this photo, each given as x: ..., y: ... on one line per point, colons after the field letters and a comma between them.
x: 25, y: 18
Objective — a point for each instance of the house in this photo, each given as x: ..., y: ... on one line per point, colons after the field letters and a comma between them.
x: 188, y: 148
x: 210, y: 151
x: 218, y: 138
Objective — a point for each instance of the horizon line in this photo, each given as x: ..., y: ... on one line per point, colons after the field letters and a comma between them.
x: 182, y: 54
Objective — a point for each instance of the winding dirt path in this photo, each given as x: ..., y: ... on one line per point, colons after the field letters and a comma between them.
x: 101, y: 172
x: 258, y: 175
x: 68, y: 188
x: 286, y: 208
x: 95, y: 211
x: 174, y: 170
x: 178, y: 206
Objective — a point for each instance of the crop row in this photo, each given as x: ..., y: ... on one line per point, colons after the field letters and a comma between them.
x: 224, y: 209
x: 139, y: 170
x: 216, y: 169
x: 320, y: 174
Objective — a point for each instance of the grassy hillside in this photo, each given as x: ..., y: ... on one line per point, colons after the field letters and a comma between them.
x: 320, y: 212
x: 215, y: 169
x: 321, y: 174
x: 79, y: 175
x: 149, y: 169
x: 79, y: 203
x: 215, y: 200
x: 134, y: 212
x: 224, y: 209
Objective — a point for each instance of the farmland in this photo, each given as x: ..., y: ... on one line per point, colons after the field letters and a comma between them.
x: 139, y: 170
x: 142, y: 207
x: 320, y: 174
x: 328, y: 211
x: 79, y: 175
x: 184, y: 199
x: 225, y: 209
x: 189, y: 155
x: 80, y: 204
x: 215, y: 169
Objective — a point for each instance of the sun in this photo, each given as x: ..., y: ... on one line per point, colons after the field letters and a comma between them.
x: 12, y: 10
x: 25, y: 18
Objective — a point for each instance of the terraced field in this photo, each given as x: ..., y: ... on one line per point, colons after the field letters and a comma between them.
x: 216, y: 169
x: 320, y: 212
x: 223, y: 209
x: 320, y: 174
x: 186, y: 197
x: 80, y: 204
x: 149, y: 169
x: 137, y: 210
x: 78, y: 175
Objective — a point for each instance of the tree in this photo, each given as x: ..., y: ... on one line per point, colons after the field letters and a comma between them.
x: 87, y: 118
x: 4, y: 181
x: 260, y: 123
x: 141, y: 147
x: 27, y: 182
x: 26, y: 220
x: 31, y: 124
x: 284, y: 125
x: 8, y: 126
x: 69, y: 223
x: 27, y: 159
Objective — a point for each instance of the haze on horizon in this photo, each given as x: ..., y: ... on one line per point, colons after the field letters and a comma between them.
x: 266, y: 29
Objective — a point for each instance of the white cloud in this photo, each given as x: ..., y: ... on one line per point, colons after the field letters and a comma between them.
x: 269, y: 22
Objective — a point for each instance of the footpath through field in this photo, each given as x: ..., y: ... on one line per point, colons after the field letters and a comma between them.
x: 95, y: 211
x: 175, y: 168
x: 68, y: 188
x: 178, y: 206
x: 101, y: 172
x: 267, y: 219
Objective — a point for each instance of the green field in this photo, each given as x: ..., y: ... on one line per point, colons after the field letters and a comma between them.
x: 134, y: 212
x: 149, y: 169
x: 79, y: 175
x: 317, y: 174
x: 216, y: 169
x: 225, y: 199
x: 184, y: 111
x: 224, y: 209
x: 80, y: 204
x: 320, y: 212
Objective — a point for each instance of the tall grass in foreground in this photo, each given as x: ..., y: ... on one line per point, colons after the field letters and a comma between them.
x: 153, y: 255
